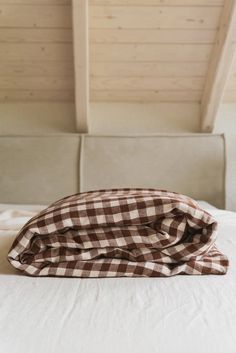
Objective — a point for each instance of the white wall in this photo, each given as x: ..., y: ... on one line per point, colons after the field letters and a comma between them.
x: 124, y: 118
x: 36, y: 118
x: 144, y: 117
x: 104, y: 118
x: 226, y: 122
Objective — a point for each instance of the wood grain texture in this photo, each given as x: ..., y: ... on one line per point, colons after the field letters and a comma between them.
x: 36, y: 2
x: 151, y: 47
x: 112, y: 36
x: 154, y: 17
x: 43, y: 95
x: 147, y: 83
x: 36, y: 68
x: 145, y: 69
x: 36, y: 60
x: 140, y: 50
x: 34, y: 51
x: 81, y: 63
x: 150, y: 53
x: 36, y: 35
x: 34, y: 16
x: 36, y: 83
x: 160, y: 36
x: 145, y: 96
x: 157, y: 2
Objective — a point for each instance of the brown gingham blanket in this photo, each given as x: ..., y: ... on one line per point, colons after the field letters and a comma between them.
x: 119, y: 232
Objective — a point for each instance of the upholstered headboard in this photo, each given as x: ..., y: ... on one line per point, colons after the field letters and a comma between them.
x: 41, y: 169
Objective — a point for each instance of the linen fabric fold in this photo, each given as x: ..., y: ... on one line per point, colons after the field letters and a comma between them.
x: 119, y: 233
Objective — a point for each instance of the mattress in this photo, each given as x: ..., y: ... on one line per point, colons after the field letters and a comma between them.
x: 179, y: 314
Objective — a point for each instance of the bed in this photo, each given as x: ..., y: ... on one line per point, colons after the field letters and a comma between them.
x: 178, y: 314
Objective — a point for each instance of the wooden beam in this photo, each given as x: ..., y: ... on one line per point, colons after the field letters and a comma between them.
x: 81, y: 63
x: 219, y: 66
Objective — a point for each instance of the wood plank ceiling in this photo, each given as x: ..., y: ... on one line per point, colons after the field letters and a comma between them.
x: 151, y: 50
x: 36, y: 56
x: 140, y: 50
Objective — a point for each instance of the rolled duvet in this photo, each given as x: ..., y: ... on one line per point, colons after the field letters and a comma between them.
x: 119, y: 233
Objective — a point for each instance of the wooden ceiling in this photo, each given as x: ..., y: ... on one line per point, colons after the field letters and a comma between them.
x: 139, y: 50
x: 36, y: 55
x: 153, y: 51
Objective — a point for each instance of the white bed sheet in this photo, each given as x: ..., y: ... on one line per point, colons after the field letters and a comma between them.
x: 155, y: 315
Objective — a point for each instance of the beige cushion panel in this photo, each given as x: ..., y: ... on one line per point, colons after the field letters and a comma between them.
x: 38, y: 169
x: 190, y: 164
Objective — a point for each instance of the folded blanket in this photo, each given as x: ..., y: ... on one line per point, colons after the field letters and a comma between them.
x: 119, y: 232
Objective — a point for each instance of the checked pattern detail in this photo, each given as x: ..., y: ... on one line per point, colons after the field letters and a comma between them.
x: 119, y: 233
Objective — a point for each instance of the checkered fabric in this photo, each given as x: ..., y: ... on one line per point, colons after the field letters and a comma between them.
x: 119, y: 232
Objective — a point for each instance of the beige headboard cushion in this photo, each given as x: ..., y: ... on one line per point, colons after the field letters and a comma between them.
x: 41, y: 169
x: 190, y: 164
x: 38, y: 169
